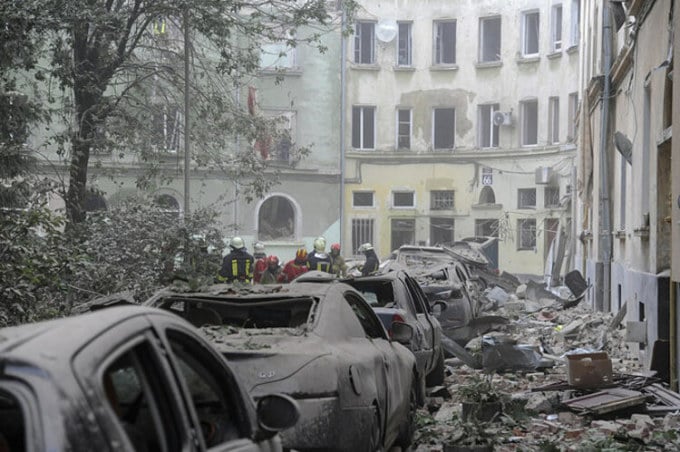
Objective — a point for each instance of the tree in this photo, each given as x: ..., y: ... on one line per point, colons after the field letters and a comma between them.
x: 117, y: 58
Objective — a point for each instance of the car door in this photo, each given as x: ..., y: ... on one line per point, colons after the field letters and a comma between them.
x: 429, y: 324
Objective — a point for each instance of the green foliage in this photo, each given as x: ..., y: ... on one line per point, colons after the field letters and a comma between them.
x: 478, y: 389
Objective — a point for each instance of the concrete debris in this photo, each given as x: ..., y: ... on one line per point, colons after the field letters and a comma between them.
x: 521, y: 291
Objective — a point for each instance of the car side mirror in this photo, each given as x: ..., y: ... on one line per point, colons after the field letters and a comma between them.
x: 276, y: 412
x: 402, y: 332
x: 438, y: 307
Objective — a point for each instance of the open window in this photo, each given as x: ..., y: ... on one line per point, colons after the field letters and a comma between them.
x: 276, y: 219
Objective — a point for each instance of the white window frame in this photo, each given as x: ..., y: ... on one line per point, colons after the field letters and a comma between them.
x: 525, y: 34
x: 556, y: 28
x: 494, y: 130
x: 358, y: 57
x: 362, y: 225
x: 395, y: 192
x: 554, y: 120
x: 277, y: 50
x: 482, y: 38
x: 523, y: 122
x: 433, y: 194
x: 575, y: 28
x: 438, y: 43
x: 372, y: 206
x: 434, y: 115
x: 362, y: 137
x: 529, y: 191
x: 170, y: 128
x: 571, y: 117
x: 406, y: 42
x: 521, y: 223
x: 399, y: 122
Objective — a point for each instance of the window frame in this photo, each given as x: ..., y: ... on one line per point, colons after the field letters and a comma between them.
x: 399, y: 192
x: 524, y: 47
x: 362, y: 225
x: 172, y: 135
x: 553, y: 120
x: 290, y: 52
x: 357, y: 206
x: 438, y: 45
x: 556, y: 28
x: 482, y: 39
x: 480, y: 223
x: 526, y: 191
x: 575, y: 23
x: 494, y: 130
x: 571, y: 116
x: 362, y: 123
x: 445, y: 193
x: 523, y: 122
x: 549, y: 194
x: 410, y: 221
x: 521, y: 224
x: 260, y: 212
x: 436, y: 222
x: 358, y: 42
x: 404, y: 44
x: 434, y: 128
x: 400, y: 122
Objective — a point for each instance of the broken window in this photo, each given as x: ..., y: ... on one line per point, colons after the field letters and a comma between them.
x: 363, y: 127
x: 168, y: 204
x: 403, y: 232
x: 403, y: 199
x: 441, y: 230
x: 487, y: 130
x: 526, y: 234
x: 571, y: 119
x: 444, y: 126
x: 487, y: 196
x: 441, y: 200
x: 404, y: 49
x: 551, y: 196
x: 575, y: 22
x: 276, y: 219
x: 556, y: 28
x: 277, y: 55
x: 550, y: 228
x: 364, y: 43
x: 165, y: 128
x: 445, y: 42
x: 278, y: 140
x: 554, y: 120
x: 489, y: 39
x: 530, y: 33
x: 362, y: 199
x: 404, y: 128
x: 362, y: 232
x: 486, y: 228
x: 526, y: 198
x: 529, y: 120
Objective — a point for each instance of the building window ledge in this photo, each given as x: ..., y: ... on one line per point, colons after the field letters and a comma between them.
x: 528, y: 59
x: 572, y: 49
x: 292, y: 72
x: 488, y: 64
x: 404, y: 69
x: 642, y: 232
x: 554, y: 55
x: 365, y: 67
x: 620, y: 234
x: 487, y: 206
x: 444, y: 68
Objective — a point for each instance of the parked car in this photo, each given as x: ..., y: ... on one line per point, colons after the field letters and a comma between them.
x: 127, y: 378
x: 323, y: 345
x: 395, y: 296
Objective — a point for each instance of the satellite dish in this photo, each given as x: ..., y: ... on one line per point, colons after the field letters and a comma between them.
x: 386, y: 30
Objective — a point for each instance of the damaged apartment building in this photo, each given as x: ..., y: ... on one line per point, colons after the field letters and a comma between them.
x: 460, y: 121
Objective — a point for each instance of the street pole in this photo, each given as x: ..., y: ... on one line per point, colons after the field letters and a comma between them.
x: 187, y: 152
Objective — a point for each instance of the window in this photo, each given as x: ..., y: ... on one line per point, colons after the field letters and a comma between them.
x: 487, y: 130
x: 486, y: 228
x: 529, y: 119
x: 445, y: 42
x: 646, y: 149
x: 444, y: 125
x: 551, y: 227
x: 556, y: 28
x: 526, y: 234
x: 277, y: 142
x: 554, y: 120
x: 403, y: 199
x: 368, y: 320
x: 277, y: 56
x: 403, y: 232
x: 364, y: 43
x: 404, y: 48
x: 575, y: 22
x: 362, y: 232
x: 441, y: 200
x: 489, y: 39
x: 551, y: 197
x: 526, y: 198
x: 571, y: 119
x: 404, y: 128
x: 441, y: 230
x: 168, y: 204
x: 487, y: 196
x: 276, y: 219
x: 363, y: 127
x: 165, y: 128
x: 362, y: 199
x: 530, y: 33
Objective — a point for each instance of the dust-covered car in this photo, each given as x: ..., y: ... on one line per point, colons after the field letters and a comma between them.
x: 321, y: 344
x: 127, y: 378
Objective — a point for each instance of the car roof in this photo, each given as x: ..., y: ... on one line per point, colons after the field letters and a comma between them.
x: 300, y: 289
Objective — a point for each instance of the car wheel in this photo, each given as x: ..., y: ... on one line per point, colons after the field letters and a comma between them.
x: 408, y: 428
x: 436, y: 376
x: 375, y: 441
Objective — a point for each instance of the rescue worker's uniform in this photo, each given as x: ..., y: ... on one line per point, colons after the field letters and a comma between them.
x: 372, y: 262
x: 318, y: 259
x: 237, y: 265
x: 338, y: 266
x: 295, y: 267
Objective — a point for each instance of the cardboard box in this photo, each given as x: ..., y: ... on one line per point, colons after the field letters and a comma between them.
x: 589, y: 370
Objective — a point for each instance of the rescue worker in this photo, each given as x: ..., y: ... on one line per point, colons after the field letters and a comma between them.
x: 271, y: 274
x: 318, y: 259
x: 338, y: 267
x: 237, y: 265
x: 295, y: 267
x: 372, y: 262
x: 260, y: 261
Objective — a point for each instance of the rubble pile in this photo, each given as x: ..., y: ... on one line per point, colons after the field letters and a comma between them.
x: 566, y: 378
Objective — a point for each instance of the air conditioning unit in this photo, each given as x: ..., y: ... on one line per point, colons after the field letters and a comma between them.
x: 544, y: 175
x: 502, y: 118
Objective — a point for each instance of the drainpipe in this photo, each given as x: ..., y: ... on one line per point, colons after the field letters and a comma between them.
x: 343, y: 71
x: 673, y: 333
x: 605, y: 229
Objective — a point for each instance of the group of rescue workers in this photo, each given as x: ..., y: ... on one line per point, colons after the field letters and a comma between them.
x: 258, y: 268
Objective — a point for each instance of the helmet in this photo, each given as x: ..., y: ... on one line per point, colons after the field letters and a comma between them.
x: 301, y: 254
x: 320, y: 244
x: 335, y: 247
x: 365, y: 247
x: 272, y: 260
x: 258, y: 247
x: 236, y: 243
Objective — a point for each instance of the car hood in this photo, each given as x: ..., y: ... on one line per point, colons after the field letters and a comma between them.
x: 288, y: 360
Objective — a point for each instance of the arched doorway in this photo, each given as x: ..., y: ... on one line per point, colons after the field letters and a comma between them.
x: 276, y: 219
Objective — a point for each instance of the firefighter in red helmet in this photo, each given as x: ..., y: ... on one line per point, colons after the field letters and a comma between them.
x: 295, y: 267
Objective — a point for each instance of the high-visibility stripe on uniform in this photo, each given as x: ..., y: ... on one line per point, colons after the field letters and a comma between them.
x: 234, y: 268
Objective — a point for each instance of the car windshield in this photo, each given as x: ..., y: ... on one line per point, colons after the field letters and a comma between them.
x: 376, y: 293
